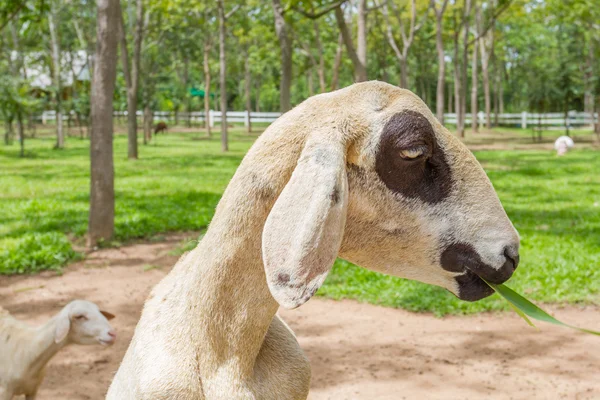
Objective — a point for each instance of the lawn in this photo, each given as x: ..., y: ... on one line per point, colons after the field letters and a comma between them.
x: 175, y: 185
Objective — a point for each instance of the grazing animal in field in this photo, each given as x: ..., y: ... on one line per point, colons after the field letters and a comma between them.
x: 26, y: 351
x: 563, y: 144
x: 160, y: 127
x: 366, y: 173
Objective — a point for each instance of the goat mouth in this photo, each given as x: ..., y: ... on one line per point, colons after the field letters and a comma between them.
x: 106, y: 342
x: 471, y: 287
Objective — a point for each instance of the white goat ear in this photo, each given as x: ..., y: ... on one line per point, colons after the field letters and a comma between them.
x: 62, y: 327
x: 303, y: 232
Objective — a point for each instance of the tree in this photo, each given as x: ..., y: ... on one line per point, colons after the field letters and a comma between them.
x: 223, y: 70
x: 474, y: 70
x: 102, y: 195
x: 465, y: 56
x: 132, y: 76
x: 439, y: 43
x: 485, y: 41
x: 56, y: 66
x: 360, y: 69
x: 285, y: 46
x: 407, y: 40
x: 206, y: 65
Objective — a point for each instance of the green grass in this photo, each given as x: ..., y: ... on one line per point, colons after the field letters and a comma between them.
x: 175, y: 185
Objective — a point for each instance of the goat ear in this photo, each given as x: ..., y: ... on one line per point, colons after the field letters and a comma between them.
x: 62, y: 327
x: 303, y: 232
x: 107, y: 315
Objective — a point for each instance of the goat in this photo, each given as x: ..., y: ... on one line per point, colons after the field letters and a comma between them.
x: 366, y: 173
x: 160, y: 127
x: 26, y: 350
x: 563, y: 144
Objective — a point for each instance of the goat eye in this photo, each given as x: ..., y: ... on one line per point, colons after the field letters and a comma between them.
x: 80, y: 317
x: 413, y: 153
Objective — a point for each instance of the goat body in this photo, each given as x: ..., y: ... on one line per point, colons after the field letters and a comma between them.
x: 26, y: 350
x: 160, y: 127
x: 343, y: 173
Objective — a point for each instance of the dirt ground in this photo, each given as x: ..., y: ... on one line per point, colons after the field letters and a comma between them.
x: 357, y: 351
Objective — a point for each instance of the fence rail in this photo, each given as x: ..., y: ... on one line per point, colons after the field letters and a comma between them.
x: 522, y: 120
x: 526, y: 119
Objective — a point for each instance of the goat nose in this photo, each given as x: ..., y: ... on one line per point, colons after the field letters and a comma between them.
x: 512, y: 258
x: 112, y: 333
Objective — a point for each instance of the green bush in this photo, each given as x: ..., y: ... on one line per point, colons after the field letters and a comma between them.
x: 34, y: 252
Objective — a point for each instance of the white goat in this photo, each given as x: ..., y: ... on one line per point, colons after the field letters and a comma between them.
x: 26, y: 351
x: 563, y: 144
x: 366, y: 173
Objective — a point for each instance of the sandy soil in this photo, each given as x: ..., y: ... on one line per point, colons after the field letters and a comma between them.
x: 357, y: 351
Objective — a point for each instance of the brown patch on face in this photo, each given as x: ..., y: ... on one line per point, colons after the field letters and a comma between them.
x: 472, y: 288
x: 462, y: 257
x: 427, y: 177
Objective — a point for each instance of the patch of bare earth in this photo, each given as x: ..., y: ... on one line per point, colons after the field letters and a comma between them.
x: 357, y: 351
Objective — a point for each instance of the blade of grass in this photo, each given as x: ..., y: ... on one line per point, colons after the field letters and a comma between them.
x: 525, y: 308
x: 522, y: 314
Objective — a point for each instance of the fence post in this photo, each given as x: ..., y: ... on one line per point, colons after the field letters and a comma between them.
x: 44, y: 118
x: 524, y: 119
x: 211, y: 119
x: 480, y: 118
x: 247, y: 118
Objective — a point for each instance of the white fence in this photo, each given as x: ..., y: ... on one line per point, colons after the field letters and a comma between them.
x: 525, y: 119
x: 195, y: 116
x: 522, y: 120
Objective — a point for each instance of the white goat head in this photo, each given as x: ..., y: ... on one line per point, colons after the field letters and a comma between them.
x: 381, y: 183
x: 82, y: 322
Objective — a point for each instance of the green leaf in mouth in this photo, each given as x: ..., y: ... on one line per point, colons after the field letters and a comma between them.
x: 527, y: 309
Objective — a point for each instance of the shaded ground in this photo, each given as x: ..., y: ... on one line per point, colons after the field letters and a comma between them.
x: 357, y: 351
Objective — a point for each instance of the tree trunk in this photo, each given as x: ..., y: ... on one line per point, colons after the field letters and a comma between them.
x: 247, y: 88
x: 501, y: 97
x: 588, y: 106
x: 148, y: 122
x: 188, y: 101
x: 257, y: 97
x: 403, y: 73
x: 450, y: 105
x: 132, y: 102
x: 309, y: 79
x: 337, y: 62
x: 21, y: 129
x: 285, y: 45
x: 60, y: 140
x: 207, y: 46
x: 457, y: 84
x: 321, y: 67
x: 360, y: 72
x: 486, y: 93
x: 439, y: 43
x: 598, y: 119
x: 7, y: 130
x: 132, y: 78
x: 474, y: 73
x: 223, y: 76
x: 486, y: 47
x: 465, y: 60
x: 496, y: 93
x: 361, y: 35
x: 18, y: 70
x: 102, y: 196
